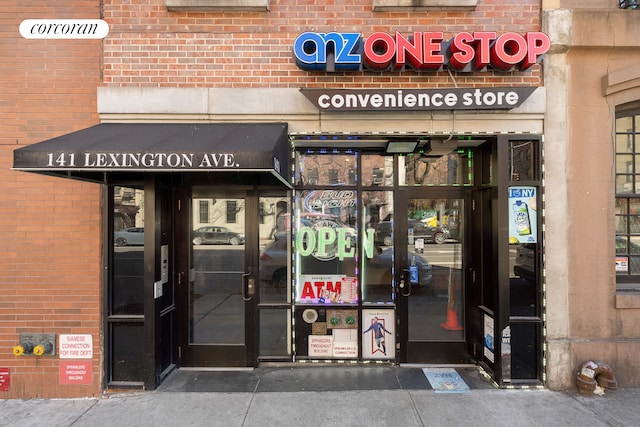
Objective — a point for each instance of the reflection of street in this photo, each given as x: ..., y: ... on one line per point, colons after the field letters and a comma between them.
x: 435, y: 312
x: 448, y: 255
x: 216, y: 248
x: 426, y: 316
x: 263, y: 243
x: 217, y: 309
x: 120, y: 249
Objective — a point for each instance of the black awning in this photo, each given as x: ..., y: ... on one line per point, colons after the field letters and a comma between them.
x: 95, y: 152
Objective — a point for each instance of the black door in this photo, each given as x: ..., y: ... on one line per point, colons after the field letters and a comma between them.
x: 430, y: 288
x: 218, y: 293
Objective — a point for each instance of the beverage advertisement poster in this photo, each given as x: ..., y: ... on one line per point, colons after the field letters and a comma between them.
x: 488, y: 350
x: 523, y: 217
x: 378, y: 334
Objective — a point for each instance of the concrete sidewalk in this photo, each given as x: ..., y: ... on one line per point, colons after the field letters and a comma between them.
x: 337, y: 406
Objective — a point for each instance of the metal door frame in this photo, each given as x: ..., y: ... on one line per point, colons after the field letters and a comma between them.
x: 418, y: 351
x: 204, y: 355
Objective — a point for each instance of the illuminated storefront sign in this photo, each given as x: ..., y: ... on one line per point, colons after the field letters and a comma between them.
x: 418, y: 99
x: 421, y: 51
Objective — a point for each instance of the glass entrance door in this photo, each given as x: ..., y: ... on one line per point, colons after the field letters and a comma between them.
x: 431, y: 288
x: 221, y: 290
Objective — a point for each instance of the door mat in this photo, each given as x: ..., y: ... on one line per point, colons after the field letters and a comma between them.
x: 446, y: 380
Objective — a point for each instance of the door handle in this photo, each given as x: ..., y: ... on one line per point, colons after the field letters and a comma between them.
x: 248, y: 286
x: 404, y: 285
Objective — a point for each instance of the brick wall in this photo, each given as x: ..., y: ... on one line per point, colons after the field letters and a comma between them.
x: 148, y: 46
x: 49, y: 227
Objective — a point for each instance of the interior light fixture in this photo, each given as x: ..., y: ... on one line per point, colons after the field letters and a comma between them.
x: 401, y: 147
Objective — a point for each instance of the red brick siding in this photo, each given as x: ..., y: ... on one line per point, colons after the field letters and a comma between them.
x: 148, y: 46
x: 49, y: 227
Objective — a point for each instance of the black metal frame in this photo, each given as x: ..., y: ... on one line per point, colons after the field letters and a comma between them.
x: 503, y: 317
x: 444, y: 352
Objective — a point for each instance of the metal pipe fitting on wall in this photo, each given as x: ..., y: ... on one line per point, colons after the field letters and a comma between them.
x: 22, y: 349
x: 36, y: 345
x: 43, y: 348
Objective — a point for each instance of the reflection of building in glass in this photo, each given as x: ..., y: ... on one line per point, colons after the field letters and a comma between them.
x: 229, y: 213
x: 219, y: 212
x: 128, y: 208
x: 424, y: 169
x: 326, y: 169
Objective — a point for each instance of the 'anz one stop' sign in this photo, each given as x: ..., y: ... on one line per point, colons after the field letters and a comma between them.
x: 421, y: 51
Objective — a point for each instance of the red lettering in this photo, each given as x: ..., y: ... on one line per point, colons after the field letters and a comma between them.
x: 337, y: 289
x: 307, y: 291
x: 508, y: 50
x: 432, y: 57
x: 411, y: 48
x: 322, y: 289
x: 462, y: 52
x: 483, y: 45
x: 379, y: 50
x: 537, y: 45
x: 319, y: 286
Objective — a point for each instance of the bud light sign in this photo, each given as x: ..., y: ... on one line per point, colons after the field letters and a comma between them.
x: 421, y: 51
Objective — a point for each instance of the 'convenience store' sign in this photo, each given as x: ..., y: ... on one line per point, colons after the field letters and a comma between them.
x: 504, y: 98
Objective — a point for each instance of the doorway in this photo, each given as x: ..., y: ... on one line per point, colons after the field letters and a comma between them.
x: 431, y: 309
x: 217, y: 302
x: 236, y: 304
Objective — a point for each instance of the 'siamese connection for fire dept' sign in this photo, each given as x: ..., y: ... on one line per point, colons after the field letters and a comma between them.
x: 75, y: 346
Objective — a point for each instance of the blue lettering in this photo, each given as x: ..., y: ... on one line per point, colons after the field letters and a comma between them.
x: 348, y: 56
x: 310, y: 51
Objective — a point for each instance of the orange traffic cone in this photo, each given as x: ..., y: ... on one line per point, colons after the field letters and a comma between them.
x: 452, y: 321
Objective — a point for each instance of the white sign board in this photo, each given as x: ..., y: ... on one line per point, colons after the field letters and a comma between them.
x: 345, y: 349
x: 75, y: 346
x: 320, y: 346
x: 378, y: 334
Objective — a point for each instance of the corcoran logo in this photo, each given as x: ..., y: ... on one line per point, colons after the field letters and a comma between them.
x: 64, y: 29
x: 422, y: 51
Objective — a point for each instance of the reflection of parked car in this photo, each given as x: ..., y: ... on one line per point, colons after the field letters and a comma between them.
x: 377, y: 270
x: 129, y: 236
x: 525, y: 262
x: 384, y: 235
x: 216, y: 235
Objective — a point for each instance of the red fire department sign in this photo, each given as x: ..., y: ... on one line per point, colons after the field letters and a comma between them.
x: 76, y: 372
x: 5, y: 379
